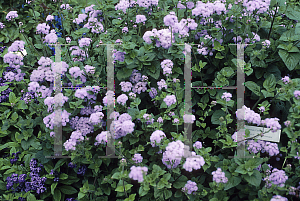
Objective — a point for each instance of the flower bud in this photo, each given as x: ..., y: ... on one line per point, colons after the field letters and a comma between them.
x: 221, y: 119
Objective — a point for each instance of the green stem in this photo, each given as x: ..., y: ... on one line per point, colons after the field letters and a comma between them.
x: 272, y: 23
x: 260, y: 98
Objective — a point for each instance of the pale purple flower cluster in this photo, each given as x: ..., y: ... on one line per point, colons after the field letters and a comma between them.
x: 109, y: 98
x: 193, y: 162
x: 123, y: 5
x: 207, y: 9
x: 49, y: 18
x: 96, y: 118
x: 278, y: 198
x: 255, y: 147
x: 297, y: 94
x: 160, y: 120
x: 14, y: 60
x: 140, y: 18
x: 75, y: 137
x: 81, y: 18
x: 163, y: 35
x: 122, y: 126
x: 84, y: 42
x: 152, y: 93
x: 101, y: 138
x: 78, y: 53
x: 219, y: 176
x: 249, y: 115
x: 125, y: 30
x: 76, y: 72
x: 126, y: 86
x: 51, y: 37
x: 277, y: 177
x: 176, y: 121
x: 135, y: 76
x: 11, y: 15
x: 16, y: 46
x: 190, y: 187
x: 147, y: 4
x: 136, y: 173
x: 139, y: 87
x: 18, y: 76
x: 138, y: 158
x: 167, y: 66
x: 226, y: 96
x: 198, y: 145
x: 119, y: 56
x: 35, y: 87
x: 286, y: 79
x: 58, y: 99
x: 162, y: 84
x: 189, y: 118
x: 95, y: 25
x: 173, y: 154
x: 122, y: 99
x: 261, y: 6
x: 169, y: 100
x: 2, y: 25
x: 42, y: 28
x: 266, y: 43
x: 51, y: 121
x: 68, y: 40
x: 272, y: 123
x: 83, y: 93
x: 287, y: 123
x: 65, y: 6
x: 156, y: 137
x: 89, y: 69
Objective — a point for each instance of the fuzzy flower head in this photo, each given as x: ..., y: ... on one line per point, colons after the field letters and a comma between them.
x: 194, y: 162
x: 286, y: 79
x: 49, y: 18
x: 297, y: 94
x: 84, y: 42
x: 136, y: 173
x: 219, y: 176
x: 169, y: 100
x: 197, y: 145
x: 190, y: 187
x: 140, y: 18
x: 138, y: 158
x: 11, y: 15
x: 189, y: 118
x: 226, y: 96
x: 278, y: 198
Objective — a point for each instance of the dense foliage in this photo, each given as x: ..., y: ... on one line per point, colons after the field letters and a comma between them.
x: 153, y: 160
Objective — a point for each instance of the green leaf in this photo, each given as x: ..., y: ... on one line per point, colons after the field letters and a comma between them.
x: 293, y: 12
x: 232, y: 182
x: 31, y: 197
x: 63, y: 176
x: 53, y: 186
x: 3, y: 88
x: 57, y: 195
x: 157, y: 71
x: 254, y: 179
x: 252, y: 86
x: 14, y: 116
x: 22, y: 105
x: 270, y: 82
x: 290, y: 59
x: 123, y: 73
x: 241, y: 169
x: 180, y: 182
x: 69, y: 190
x: 131, y: 197
x: 12, y: 97
x: 142, y: 191
x: 216, y: 115
x: 267, y: 94
x: 60, y: 163
x: 80, y: 195
x: 167, y: 193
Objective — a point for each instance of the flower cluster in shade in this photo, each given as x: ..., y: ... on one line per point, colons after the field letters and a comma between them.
x: 138, y: 158
x: 278, y: 198
x: 194, y: 162
x: 190, y: 187
x: 226, y: 96
x: 17, y: 182
x: 262, y: 146
x: 219, y: 176
x: 251, y: 117
x: 167, y: 66
x: 173, y: 154
x: 15, y: 157
x: 136, y: 173
x: 277, y: 177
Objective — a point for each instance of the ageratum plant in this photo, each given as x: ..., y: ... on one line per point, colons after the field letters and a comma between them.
x: 153, y: 160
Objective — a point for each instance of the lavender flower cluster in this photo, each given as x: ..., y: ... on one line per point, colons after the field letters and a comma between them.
x: 190, y: 187
x: 136, y: 173
x: 262, y: 146
x: 219, y: 176
x: 277, y: 177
